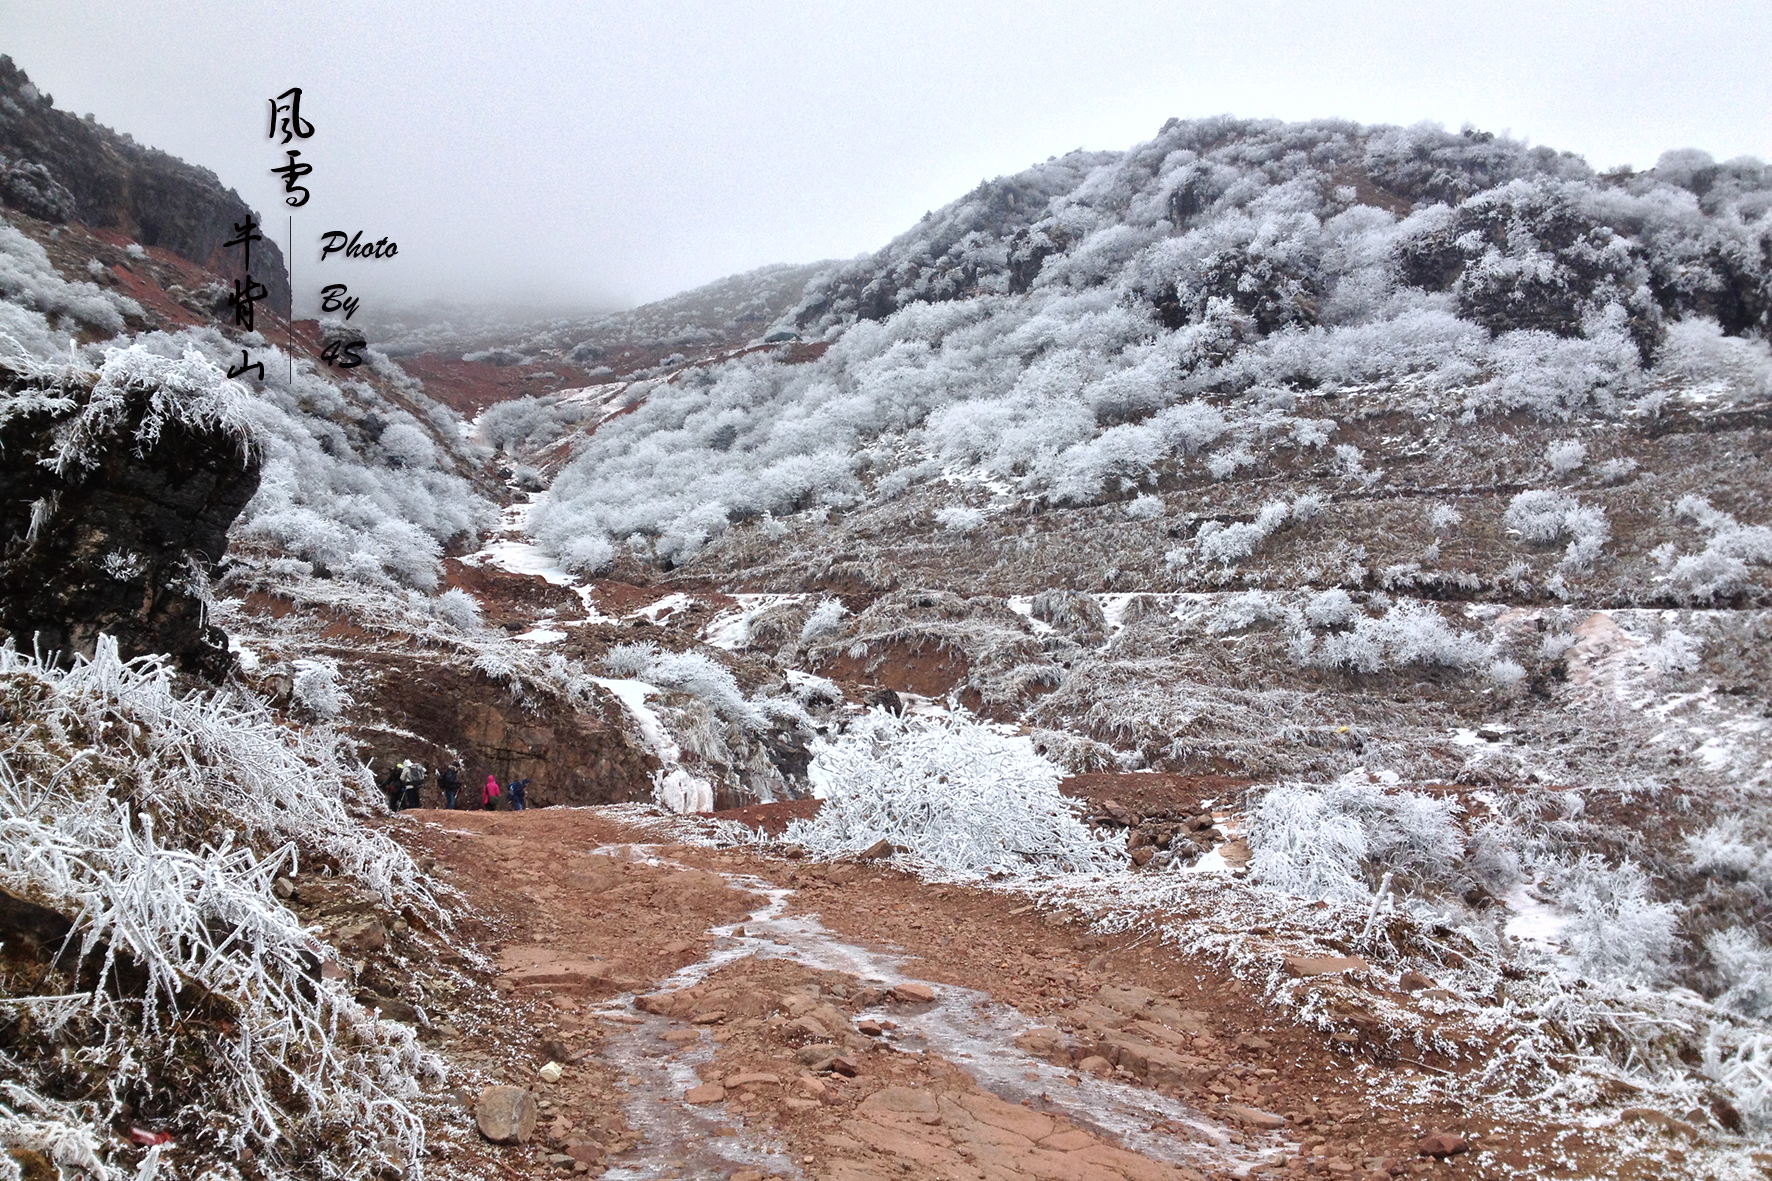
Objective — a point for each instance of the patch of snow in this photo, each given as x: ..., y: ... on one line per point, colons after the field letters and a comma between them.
x: 677, y: 788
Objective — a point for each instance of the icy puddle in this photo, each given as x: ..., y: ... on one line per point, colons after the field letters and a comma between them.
x: 966, y: 1028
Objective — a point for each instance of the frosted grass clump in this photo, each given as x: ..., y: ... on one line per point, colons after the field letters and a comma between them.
x: 458, y: 609
x: 959, y: 518
x: 1565, y: 456
x: 156, y: 821
x: 1543, y: 516
x: 691, y: 673
x: 1720, y: 570
x: 1408, y: 633
x: 1618, y: 932
x: 963, y: 799
x: 825, y: 619
x: 1332, y: 843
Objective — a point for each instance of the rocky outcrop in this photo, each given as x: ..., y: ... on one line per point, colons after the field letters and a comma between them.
x: 56, y: 167
x: 123, y: 543
x: 437, y: 710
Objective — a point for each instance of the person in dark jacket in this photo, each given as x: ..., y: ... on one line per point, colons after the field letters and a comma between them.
x: 518, y: 791
x: 449, y: 781
x: 390, y: 787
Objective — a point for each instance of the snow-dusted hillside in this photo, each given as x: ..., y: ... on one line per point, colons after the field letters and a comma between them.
x: 1105, y: 321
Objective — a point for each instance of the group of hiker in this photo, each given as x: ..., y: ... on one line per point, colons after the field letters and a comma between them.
x: 405, y: 782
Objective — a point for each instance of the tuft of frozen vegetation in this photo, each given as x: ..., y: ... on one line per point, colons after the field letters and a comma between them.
x: 1617, y: 930
x: 1340, y: 842
x: 1145, y: 507
x: 1547, y: 516
x: 826, y: 619
x: 1719, y: 570
x: 315, y: 687
x: 1408, y: 633
x: 1743, y: 964
x: 40, y: 297
x: 954, y: 795
x: 692, y: 673
x: 1565, y: 456
x: 1442, y: 517
x: 156, y: 821
x: 959, y: 518
x: 458, y: 609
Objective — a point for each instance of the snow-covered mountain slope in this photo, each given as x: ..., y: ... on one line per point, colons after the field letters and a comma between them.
x: 1209, y: 300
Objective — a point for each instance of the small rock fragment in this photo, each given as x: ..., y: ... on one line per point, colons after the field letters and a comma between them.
x: 913, y: 993
x: 1441, y: 1144
x: 1413, y: 981
x: 711, y: 1017
x: 704, y: 1094
x: 550, y: 1073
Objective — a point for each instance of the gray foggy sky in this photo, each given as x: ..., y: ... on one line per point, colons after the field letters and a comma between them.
x: 606, y: 154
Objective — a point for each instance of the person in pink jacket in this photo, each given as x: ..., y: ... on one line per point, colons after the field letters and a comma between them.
x: 489, y: 793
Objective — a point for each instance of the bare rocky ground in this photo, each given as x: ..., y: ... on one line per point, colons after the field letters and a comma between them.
x: 716, y: 1014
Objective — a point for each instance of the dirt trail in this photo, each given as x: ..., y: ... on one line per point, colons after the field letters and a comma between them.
x: 718, y: 1015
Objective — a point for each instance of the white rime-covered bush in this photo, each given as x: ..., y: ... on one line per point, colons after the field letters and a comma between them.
x: 959, y: 518
x: 156, y: 821
x: 315, y: 686
x: 1546, y: 516
x: 825, y: 619
x: 1720, y: 570
x: 688, y: 672
x: 1565, y: 456
x: 1336, y: 842
x: 1743, y: 963
x: 1617, y: 931
x: 960, y: 797
x: 1408, y: 633
x: 457, y: 609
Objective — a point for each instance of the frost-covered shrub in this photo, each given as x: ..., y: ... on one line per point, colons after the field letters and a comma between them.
x: 1617, y: 930
x: 1545, y: 516
x: 1229, y: 544
x: 1720, y: 570
x: 1241, y: 612
x: 959, y: 518
x: 1565, y: 456
x: 1145, y: 508
x: 960, y: 797
x: 1617, y: 470
x: 29, y: 280
x: 825, y: 619
x: 315, y: 687
x: 1724, y: 848
x: 1408, y: 633
x: 1743, y: 964
x: 458, y: 609
x: 1337, y: 842
x: 1331, y: 608
x: 156, y: 822
x: 692, y: 673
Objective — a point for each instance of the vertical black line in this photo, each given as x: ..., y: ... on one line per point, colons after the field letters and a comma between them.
x: 292, y: 299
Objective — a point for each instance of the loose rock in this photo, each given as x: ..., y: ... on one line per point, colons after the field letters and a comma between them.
x: 506, y: 1115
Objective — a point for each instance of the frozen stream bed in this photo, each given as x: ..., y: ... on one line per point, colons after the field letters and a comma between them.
x: 966, y: 1028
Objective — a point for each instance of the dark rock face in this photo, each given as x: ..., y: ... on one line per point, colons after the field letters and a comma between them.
x: 124, y: 546
x: 58, y: 167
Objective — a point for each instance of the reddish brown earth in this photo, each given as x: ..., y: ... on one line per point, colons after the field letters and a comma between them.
x: 567, y: 927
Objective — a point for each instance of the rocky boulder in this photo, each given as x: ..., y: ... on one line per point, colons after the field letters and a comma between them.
x: 122, y: 538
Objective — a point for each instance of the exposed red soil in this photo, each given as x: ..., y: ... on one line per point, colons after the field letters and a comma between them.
x: 1153, y: 791
x: 573, y: 925
x: 468, y: 387
x: 771, y: 818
